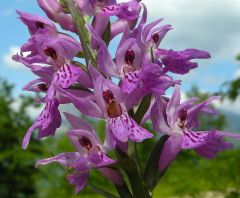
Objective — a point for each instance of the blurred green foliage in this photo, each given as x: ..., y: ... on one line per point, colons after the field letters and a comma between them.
x: 188, y: 175
x: 17, y: 172
x: 233, y: 87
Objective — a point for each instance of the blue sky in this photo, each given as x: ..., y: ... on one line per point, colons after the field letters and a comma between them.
x: 203, y: 25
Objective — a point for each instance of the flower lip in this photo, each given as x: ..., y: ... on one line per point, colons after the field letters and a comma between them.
x: 129, y: 57
x: 49, y: 51
x: 85, y: 142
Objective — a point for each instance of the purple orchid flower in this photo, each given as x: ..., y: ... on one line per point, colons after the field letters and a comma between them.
x: 127, y: 11
x: 138, y: 75
x: 93, y: 7
x: 66, y: 76
x: 152, y: 34
x: 179, y: 61
x: 90, y: 155
x: 179, y: 121
x: 120, y: 125
x: 128, y: 66
x: 55, y: 12
x: 55, y: 50
x: 47, y: 123
x: 37, y: 24
x: 50, y: 119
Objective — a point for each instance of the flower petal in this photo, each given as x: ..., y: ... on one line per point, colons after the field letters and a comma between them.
x: 64, y: 159
x: 170, y: 151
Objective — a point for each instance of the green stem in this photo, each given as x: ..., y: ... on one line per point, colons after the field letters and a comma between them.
x: 82, y: 33
x: 139, y: 188
x: 123, y: 191
x: 137, y: 159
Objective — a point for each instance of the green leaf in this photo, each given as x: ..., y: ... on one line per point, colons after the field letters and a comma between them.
x: 123, y: 191
x: 152, y: 174
x: 139, y: 188
x: 83, y: 34
x: 107, y: 34
x: 142, y: 109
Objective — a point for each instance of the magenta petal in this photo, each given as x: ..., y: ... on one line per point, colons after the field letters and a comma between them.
x: 127, y: 11
x: 138, y: 133
x: 78, y: 123
x: 194, y: 139
x: 84, y: 105
x: 47, y: 122
x: 159, y: 117
x: 131, y: 81
x: 215, y: 144
x: 196, y: 109
x: 172, y: 105
x: 119, y: 127
x: 78, y: 179
x: 124, y: 128
x: 84, y: 141
x: 55, y: 12
x: 113, y: 175
x: 179, y: 62
x: 99, y: 160
x: 67, y: 75
x: 105, y: 62
x: 170, y: 150
x: 64, y: 159
x: 37, y: 24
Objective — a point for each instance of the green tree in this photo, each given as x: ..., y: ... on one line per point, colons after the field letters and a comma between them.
x: 16, y: 166
x: 233, y: 87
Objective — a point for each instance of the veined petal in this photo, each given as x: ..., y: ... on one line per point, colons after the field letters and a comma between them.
x: 124, y: 128
x: 119, y: 127
x: 64, y: 159
x: 194, y: 139
x: 67, y: 75
x: 131, y: 81
x: 215, y: 144
x: 47, y: 123
x: 138, y: 133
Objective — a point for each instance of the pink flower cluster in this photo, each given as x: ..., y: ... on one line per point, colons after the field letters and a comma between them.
x: 111, y: 88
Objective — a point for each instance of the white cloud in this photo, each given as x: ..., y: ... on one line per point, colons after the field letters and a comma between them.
x: 228, y: 105
x: 7, y: 58
x: 33, y: 112
x: 237, y: 74
x: 211, y: 25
